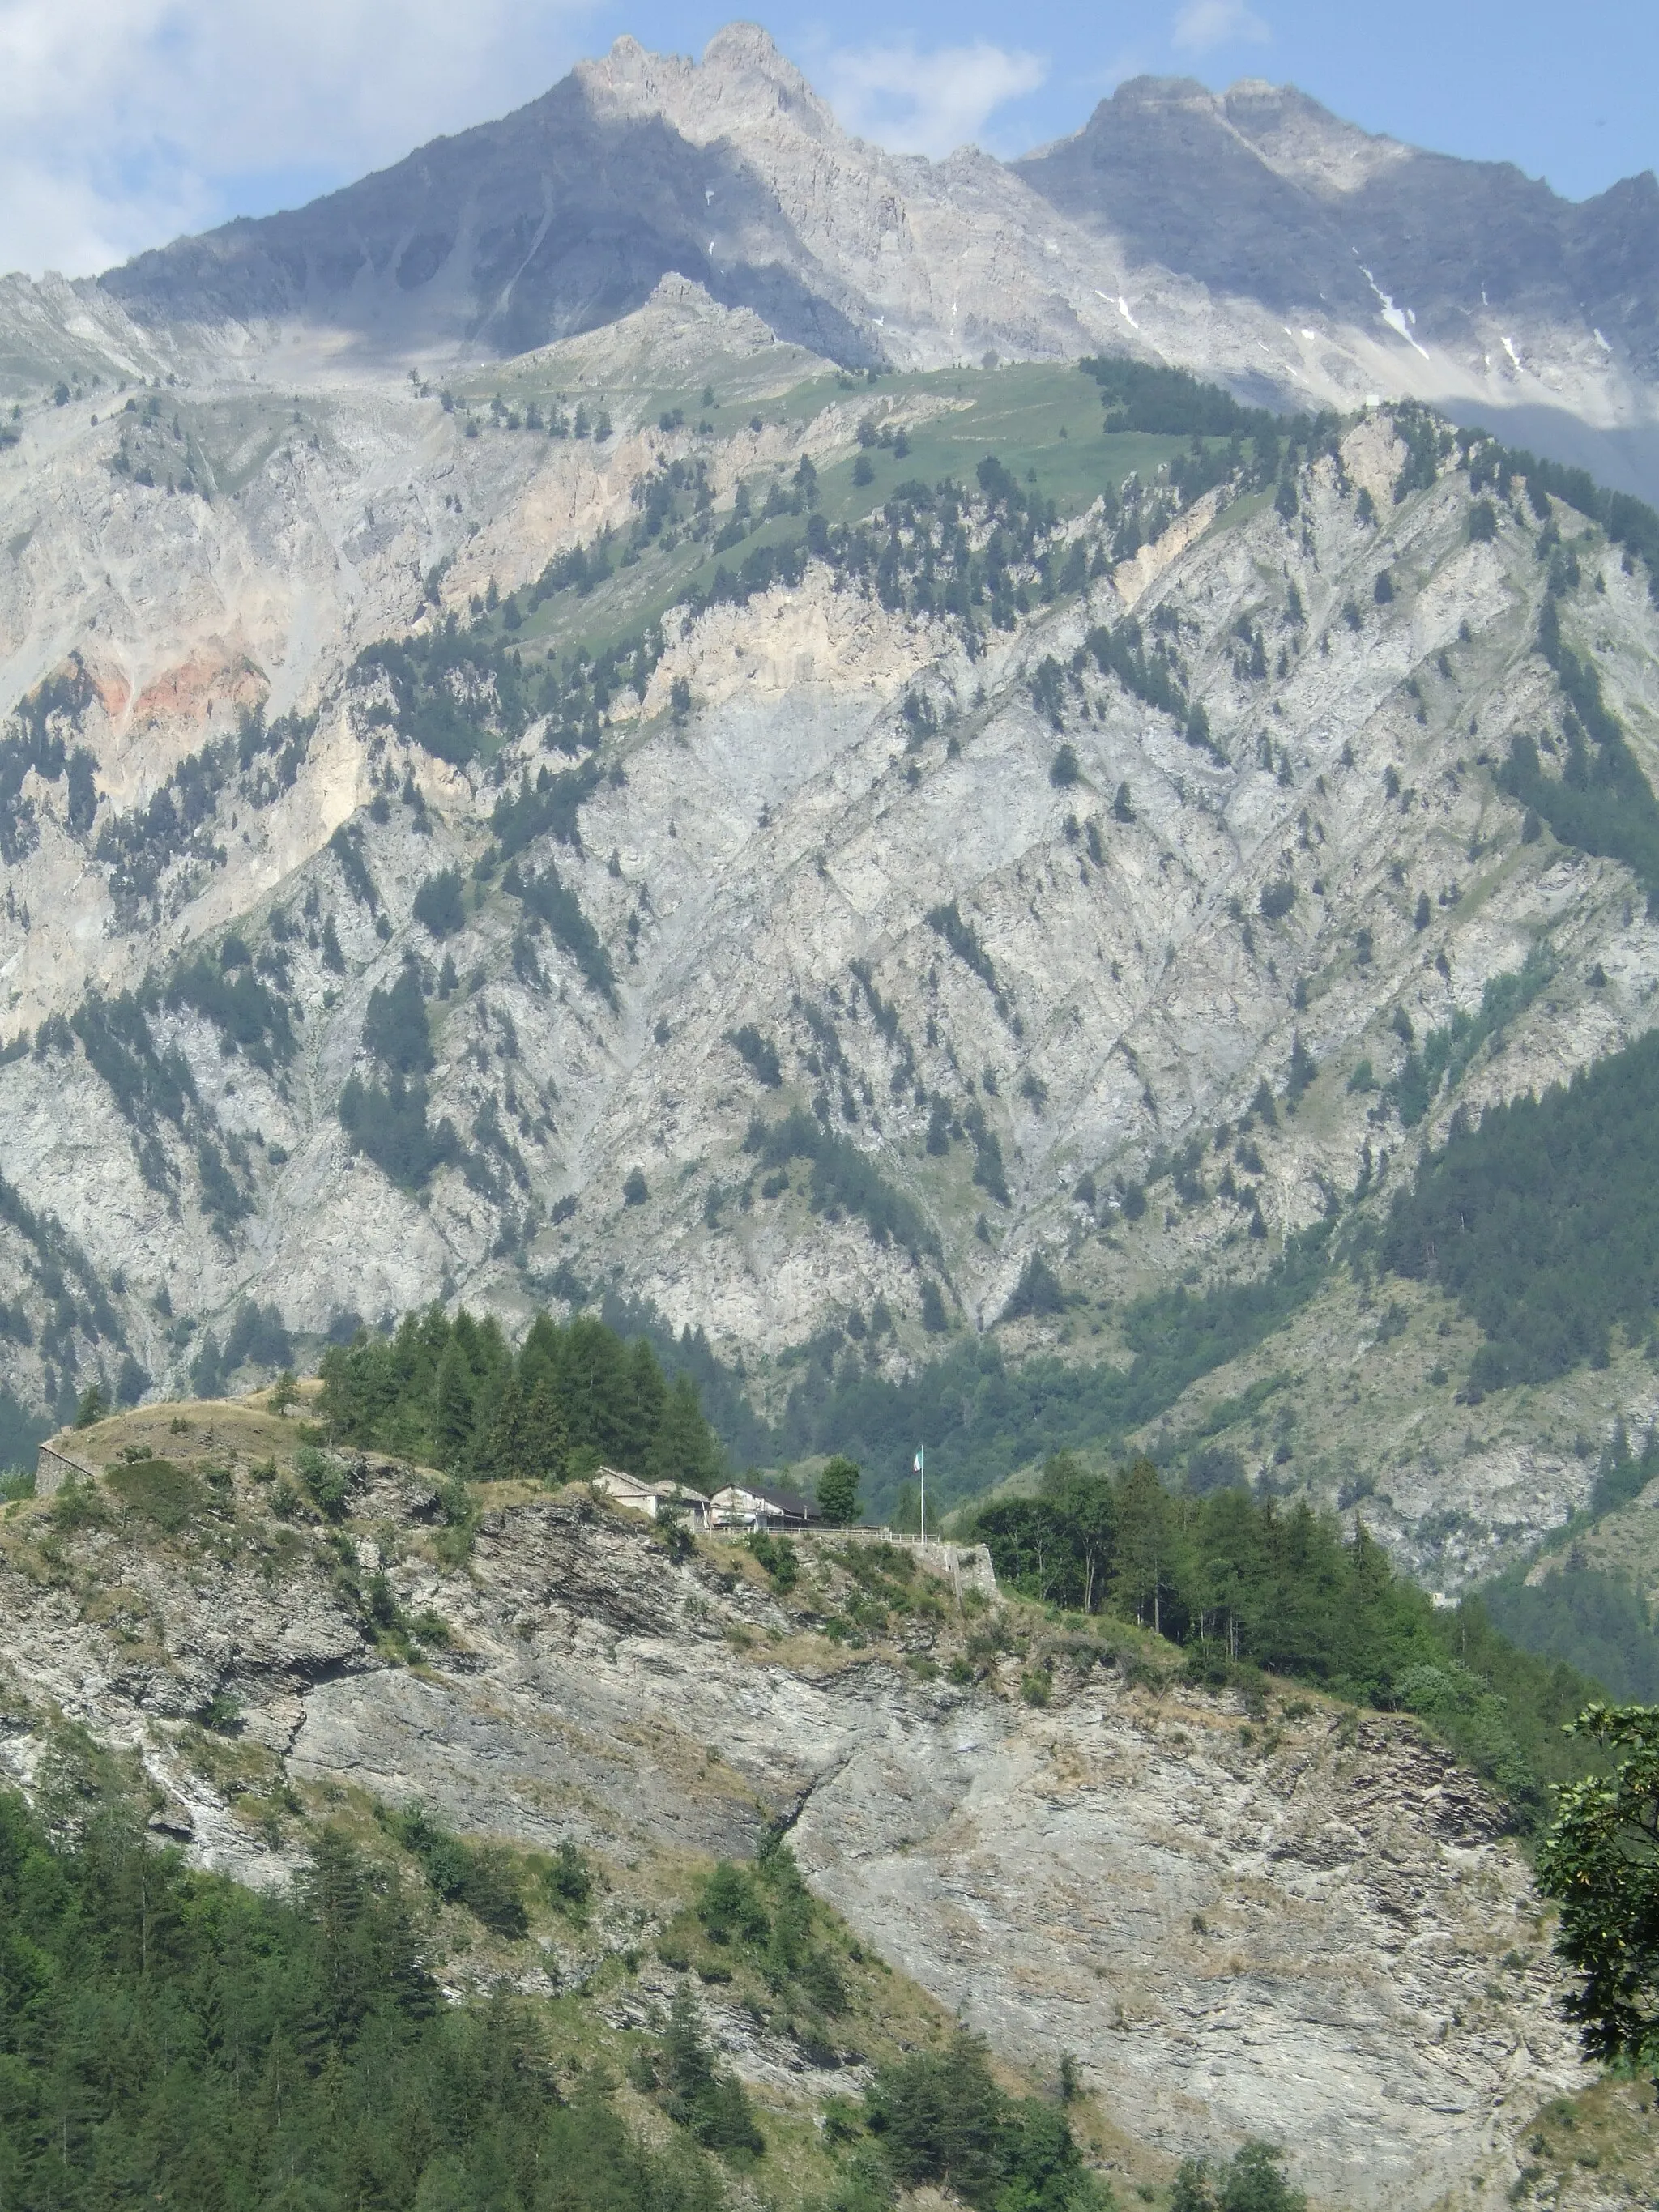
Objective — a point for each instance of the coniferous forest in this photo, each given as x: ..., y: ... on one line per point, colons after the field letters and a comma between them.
x: 169, y: 2037
x: 454, y: 1394
x: 1241, y: 1581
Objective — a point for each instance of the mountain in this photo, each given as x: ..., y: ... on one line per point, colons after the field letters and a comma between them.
x: 936, y: 792
x: 1258, y: 191
x: 545, y: 768
x: 1250, y: 236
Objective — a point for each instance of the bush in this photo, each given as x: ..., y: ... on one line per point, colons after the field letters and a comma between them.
x: 325, y: 1479
x: 482, y: 1877
x: 778, y: 1556
x: 438, y: 903
x: 158, y: 1490
x: 79, y: 1505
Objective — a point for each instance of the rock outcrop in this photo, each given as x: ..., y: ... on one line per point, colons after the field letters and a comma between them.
x: 1312, y: 1927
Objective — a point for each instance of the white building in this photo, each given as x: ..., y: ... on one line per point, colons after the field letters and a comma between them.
x: 739, y: 1507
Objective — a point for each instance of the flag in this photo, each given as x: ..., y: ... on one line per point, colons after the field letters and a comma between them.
x: 915, y: 1464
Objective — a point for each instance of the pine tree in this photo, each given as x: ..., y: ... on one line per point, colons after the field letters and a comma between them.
x: 547, y: 1441
x: 683, y: 1450
x: 451, y: 1407
x: 1144, y: 1570
x: 645, y: 1399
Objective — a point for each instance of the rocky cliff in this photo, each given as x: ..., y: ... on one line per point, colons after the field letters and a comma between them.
x: 1285, y: 1920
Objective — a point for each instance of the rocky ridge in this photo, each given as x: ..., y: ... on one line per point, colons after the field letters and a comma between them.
x: 769, y: 862
x: 1250, y: 236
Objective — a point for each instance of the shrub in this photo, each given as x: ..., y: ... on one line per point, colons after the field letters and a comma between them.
x: 79, y: 1505
x: 778, y: 1556
x: 326, y: 1481
x: 479, y: 1876
x: 438, y: 903
x: 158, y: 1490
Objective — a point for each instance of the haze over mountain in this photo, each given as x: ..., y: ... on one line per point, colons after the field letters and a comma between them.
x: 746, y: 733
x: 1250, y: 235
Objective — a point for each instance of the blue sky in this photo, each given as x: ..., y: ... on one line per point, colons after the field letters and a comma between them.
x: 123, y: 122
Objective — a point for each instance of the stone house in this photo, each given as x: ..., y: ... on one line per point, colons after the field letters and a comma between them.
x: 652, y: 1498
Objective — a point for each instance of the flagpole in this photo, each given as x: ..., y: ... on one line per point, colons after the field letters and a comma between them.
x: 921, y: 1469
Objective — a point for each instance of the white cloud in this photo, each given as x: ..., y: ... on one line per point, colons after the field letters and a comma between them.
x: 915, y: 102
x: 122, y: 121
x: 1203, y: 24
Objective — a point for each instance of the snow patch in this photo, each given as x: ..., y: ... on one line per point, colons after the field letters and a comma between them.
x: 1396, y: 319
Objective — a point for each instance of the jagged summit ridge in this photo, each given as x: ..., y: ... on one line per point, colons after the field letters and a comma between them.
x: 743, y: 84
x: 1246, y: 234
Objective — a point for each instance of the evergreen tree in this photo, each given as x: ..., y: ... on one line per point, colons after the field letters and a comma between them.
x: 451, y: 1407
x: 547, y: 1440
x: 838, y: 1493
x: 1144, y: 1573
x: 648, y: 1397
x: 683, y: 1449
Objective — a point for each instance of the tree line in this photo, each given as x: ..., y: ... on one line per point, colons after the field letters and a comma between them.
x: 452, y: 1394
x: 1237, y: 1579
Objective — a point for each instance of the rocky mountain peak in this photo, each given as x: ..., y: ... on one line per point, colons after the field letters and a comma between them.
x: 743, y: 85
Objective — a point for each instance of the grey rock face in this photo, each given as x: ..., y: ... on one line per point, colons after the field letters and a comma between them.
x: 747, y: 856
x: 1298, y: 1937
x: 1261, y: 192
